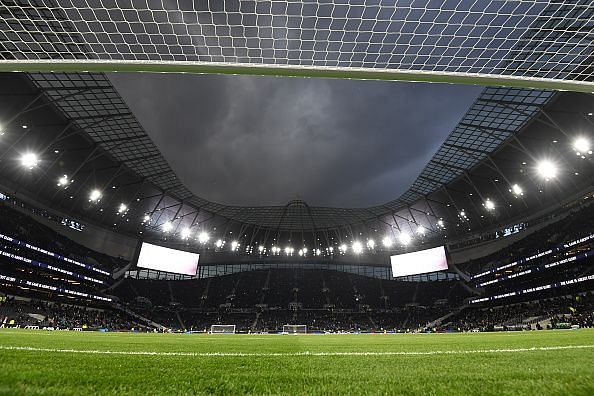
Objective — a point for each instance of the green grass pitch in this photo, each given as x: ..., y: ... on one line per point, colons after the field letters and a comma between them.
x: 524, y: 363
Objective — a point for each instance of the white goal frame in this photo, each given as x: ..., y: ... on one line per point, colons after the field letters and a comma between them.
x: 294, y: 329
x: 222, y: 329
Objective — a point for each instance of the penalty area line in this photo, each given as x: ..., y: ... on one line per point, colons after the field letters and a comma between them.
x: 292, y: 354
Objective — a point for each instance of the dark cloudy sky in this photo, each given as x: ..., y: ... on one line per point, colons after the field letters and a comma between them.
x: 263, y: 140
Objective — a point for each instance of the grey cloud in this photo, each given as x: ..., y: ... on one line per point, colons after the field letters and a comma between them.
x: 264, y: 140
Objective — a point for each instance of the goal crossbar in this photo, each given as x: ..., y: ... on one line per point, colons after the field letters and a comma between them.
x: 104, y: 66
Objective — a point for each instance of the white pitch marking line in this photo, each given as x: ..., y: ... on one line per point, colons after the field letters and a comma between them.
x: 293, y: 354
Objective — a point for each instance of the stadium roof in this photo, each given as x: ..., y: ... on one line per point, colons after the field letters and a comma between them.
x: 90, y: 101
x: 98, y: 143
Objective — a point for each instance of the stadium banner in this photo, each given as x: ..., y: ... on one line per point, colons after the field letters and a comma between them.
x: 420, y: 262
x: 164, y: 259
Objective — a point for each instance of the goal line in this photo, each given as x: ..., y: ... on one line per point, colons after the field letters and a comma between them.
x: 296, y: 354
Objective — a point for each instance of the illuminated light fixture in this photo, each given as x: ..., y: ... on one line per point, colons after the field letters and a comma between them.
x: 287, y: 250
x: 357, y: 247
x: 516, y: 190
x: 489, y: 205
x: 63, y: 181
x: 463, y: 214
x: 301, y: 252
x: 167, y: 226
x: 440, y: 222
x: 387, y: 241
x: 219, y: 243
x: 260, y: 248
x: 546, y: 169
x: 343, y: 248
x: 582, y: 146
x: 203, y: 237
x: 185, y: 233
x: 318, y: 252
x: 29, y: 160
x: 371, y: 243
x: 404, y: 238
x: 421, y: 230
x: 95, y: 195
x: 331, y: 249
x: 146, y: 218
x: 234, y: 245
x: 304, y: 250
x: 122, y: 209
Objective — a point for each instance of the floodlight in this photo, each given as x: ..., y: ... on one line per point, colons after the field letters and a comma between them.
x: 357, y: 247
x: 203, y: 237
x: 234, y: 245
x: 167, y: 226
x: 218, y: 243
x: 546, y: 169
x: 95, y: 195
x: 517, y: 190
x: 387, y: 241
x: 421, y: 230
x: 371, y: 243
x: 489, y: 205
x: 318, y: 252
x: 331, y: 249
x: 29, y: 160
x: 122, y: 209
x: 185, y: 233
x: 582, y: 146
x: 260, y: 248
x: 288, y: 250
x: 404, y: 238
x: 343, y: 247
x: 304, y: 250
x: 301, y: 252
x: 63, y: 181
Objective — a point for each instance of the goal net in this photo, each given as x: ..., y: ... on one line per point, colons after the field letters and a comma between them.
x: 295, y: 329
x: 507, y: 42
x: 222, y: 329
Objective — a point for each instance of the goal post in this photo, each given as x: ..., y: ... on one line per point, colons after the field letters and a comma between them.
x: 222, y: 329
x: 295, y: 329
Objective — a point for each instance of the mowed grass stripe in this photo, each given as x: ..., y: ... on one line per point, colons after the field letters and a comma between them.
x: 293, y: 354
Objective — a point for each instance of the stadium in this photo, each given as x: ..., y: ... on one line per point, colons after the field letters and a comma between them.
x: 296, y: 197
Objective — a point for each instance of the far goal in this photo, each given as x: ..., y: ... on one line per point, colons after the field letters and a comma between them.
x: 295, y: 329
x: 222, y: 329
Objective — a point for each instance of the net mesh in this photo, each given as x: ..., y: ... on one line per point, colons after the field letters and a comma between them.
x: 523, y: 39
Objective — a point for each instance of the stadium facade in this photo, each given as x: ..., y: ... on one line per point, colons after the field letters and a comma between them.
x: 508, y: 192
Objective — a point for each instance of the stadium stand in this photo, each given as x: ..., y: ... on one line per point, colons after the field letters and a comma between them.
x: 323, y: 300
x: 24, y: 312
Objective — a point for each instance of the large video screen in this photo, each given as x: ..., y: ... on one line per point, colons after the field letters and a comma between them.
x: 165, y: 259
x: 421, y: 262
